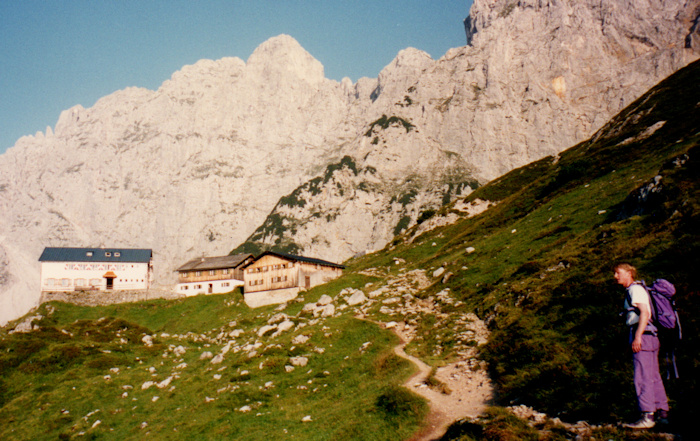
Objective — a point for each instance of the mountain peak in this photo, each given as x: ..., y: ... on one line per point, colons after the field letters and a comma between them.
x: 283, y: 55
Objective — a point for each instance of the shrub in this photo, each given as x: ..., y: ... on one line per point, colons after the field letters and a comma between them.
x: 388, y: 365
x: 384, y: 122
x: 402, y: 225
x: 397, y: 403
x: 434, y: 383
x: 105, y: 361
x: 425, y: 215
x: 502, y: 425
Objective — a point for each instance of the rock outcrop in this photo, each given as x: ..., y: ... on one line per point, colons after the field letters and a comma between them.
x: 537, y: 77
x: 196, y: 166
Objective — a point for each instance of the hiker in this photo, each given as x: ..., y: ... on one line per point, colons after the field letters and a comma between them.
x: 651, y: 395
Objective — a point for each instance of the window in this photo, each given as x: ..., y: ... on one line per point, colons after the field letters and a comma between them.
x: 225, y: 284
x: 79, y: 282
x: 117, y: 254
x: 89, y: 254
x: 65, y: 282
x: 224, y: 271
x: 212, y: 272
x: 108, y: 254
x: 50, y: 282
x: 95, y: 282
x: 197, y: 273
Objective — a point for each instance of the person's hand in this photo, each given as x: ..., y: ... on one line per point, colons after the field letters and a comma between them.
x: 637, y: 344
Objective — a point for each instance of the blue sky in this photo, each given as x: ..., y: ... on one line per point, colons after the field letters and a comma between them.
x: 56, y: 54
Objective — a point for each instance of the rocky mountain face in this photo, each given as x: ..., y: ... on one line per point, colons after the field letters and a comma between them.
x: 328, y: 169
x: 536, y: 78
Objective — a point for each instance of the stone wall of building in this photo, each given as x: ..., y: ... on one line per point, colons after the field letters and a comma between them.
x: 104, y: 298
x: 271, y: 297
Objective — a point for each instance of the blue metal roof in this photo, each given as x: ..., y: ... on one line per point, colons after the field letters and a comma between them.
x: 96, y: 255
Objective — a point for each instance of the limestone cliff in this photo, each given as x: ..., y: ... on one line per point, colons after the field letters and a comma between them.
x: 196, y: 166
x: 537, y: 77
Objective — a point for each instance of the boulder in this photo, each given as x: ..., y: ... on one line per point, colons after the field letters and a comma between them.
x: 265, y: 329
x: 235, y: 333
x: 377, y: 292
x: 309, y: 307
x: 284, y: 326
x: 300, y: 339
x: 280, y: 317
x: 327, y: 311
x: 299, y: 361
x: 324, y: 300
x: 358, y: 297
x: 165, y: 383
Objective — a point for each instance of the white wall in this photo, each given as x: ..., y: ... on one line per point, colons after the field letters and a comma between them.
x: 68, y: 275
x: 217, y: 287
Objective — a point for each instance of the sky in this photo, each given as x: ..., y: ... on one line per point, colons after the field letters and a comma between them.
x: 57, y: 54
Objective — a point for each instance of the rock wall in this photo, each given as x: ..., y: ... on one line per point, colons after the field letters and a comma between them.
x: 538, y: 77
x: 196, y: 166
x: 105, y: 298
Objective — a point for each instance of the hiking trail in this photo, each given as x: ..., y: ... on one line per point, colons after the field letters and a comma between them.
x: 469, y: 390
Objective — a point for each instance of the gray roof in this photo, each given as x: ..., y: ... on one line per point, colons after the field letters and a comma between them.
x: 301, y: 259
x: 210, y: 263
x: 132, y: 255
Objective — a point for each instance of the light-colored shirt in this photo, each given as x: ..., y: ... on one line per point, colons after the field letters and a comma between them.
x: 639, y: 296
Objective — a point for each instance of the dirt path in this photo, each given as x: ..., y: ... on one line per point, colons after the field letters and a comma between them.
x: 470, y: 391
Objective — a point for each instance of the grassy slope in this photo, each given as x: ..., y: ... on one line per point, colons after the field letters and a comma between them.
x: 541, y: 272
x: 54, y: 384
x: 540, y: 277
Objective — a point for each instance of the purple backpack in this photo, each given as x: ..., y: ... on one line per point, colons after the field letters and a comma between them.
x: 665, y: 316
x: 663, y: 312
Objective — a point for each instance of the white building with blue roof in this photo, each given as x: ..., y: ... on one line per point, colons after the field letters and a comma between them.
x: 96, y: 269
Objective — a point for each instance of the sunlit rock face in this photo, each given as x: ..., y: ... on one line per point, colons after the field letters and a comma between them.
x: 195, y: 167
x: 536, y: 78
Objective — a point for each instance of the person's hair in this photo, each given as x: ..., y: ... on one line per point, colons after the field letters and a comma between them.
x: 627, y: 267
